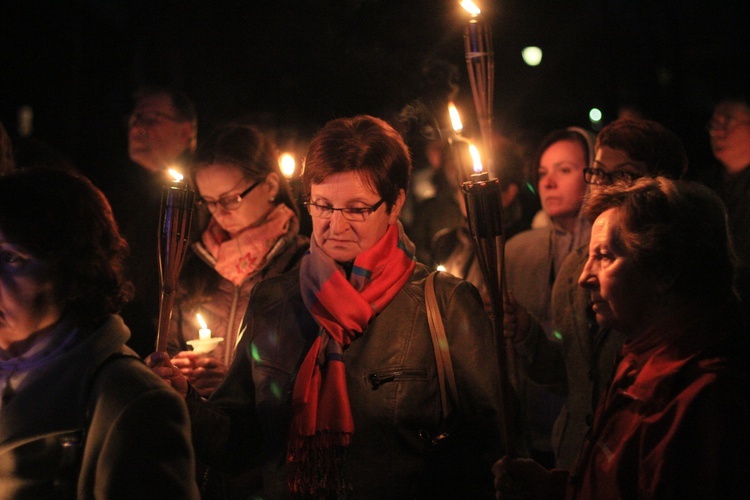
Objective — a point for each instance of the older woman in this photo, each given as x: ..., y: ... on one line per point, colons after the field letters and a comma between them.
x: 251, y: 234
x: 80, y: 415
x: 334, y: 388
x: 675, y: 420
x: 584, y: 358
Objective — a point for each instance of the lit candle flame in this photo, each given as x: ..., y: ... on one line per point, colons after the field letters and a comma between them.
x: 201, y: 321
x: 474, y: 152
x: 441, y: 268
x: 455, y: 118
x: 176, y: 175
x: 204, y: 333
x: 287, y: 165
x: 471, y: 8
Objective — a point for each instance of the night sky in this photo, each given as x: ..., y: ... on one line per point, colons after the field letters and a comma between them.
x: 296, y: 64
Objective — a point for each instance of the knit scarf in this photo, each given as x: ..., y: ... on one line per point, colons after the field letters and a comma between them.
x: 237, y: 258
x: 322, y: 423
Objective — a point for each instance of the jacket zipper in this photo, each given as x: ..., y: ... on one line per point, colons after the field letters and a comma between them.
x: 379, y: 378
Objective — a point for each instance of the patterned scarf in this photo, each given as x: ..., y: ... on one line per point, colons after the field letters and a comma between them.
x: 239, y: 257
x: 322, y: 423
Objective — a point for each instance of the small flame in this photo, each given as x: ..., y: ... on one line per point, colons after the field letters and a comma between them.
x: 176, y: 175
x: 474, y: 152
x: 441, y: 268
x: 455, y: 118
x: 201, y: 321
x: 471, y: 8
x: 287, y: 165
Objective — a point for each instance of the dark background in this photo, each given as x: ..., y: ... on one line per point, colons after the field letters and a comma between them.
x: 297, y: 64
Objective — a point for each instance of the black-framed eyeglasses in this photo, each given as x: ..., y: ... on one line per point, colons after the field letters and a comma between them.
x: 357, y: 214
x: 600, y: 177
x: 713, y: 125
x: 228, y: 203
x: 149, y: 119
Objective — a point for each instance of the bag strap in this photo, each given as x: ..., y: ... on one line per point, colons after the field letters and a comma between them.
x: 446, y: 376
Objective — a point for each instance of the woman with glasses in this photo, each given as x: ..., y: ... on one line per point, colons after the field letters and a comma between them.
x: 251, y: 234
x: 334, y: 391
x: 583, y: 357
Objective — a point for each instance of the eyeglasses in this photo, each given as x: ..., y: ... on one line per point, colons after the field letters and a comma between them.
x: 149, y: 119
x: 723, y: 125
x: 228, y: 203
x: 357, y: 214
x: 599, y: 177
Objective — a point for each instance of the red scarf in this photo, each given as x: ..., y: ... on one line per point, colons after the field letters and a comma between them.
x: 322, y: 423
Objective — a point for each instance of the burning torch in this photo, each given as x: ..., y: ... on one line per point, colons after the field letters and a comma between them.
x: 484, y: 209
x: 177, y: 201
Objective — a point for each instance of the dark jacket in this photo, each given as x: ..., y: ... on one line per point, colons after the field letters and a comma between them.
x: 137, y: 443
x: 675, y: 421
x: 224, y: 307
x: 393, y: 391
x: 585, y: 359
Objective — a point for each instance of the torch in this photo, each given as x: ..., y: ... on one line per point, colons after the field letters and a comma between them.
x: 484, y: 210
x: 480, y: 62
x: 177, y: 201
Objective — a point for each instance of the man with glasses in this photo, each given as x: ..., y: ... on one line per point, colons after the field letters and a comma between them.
x: 162, y: 132
x: 162, y: 129
x: 729, y: 131
x: 625, y: 150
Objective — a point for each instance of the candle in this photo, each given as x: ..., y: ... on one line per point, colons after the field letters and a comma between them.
x: 204, y: 333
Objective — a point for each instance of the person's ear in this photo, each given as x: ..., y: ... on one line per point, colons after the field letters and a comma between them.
x: 272, y: 186
x: 508, y: 195
x: 188, y: 136
x: 397, y: 206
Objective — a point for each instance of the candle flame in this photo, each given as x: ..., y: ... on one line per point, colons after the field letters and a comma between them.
x: 175, y: 175
x: 441, y: 268
x: 471, y: 8
x: 455, y: 118
x: 474, y: 152
x: 201, y: 321
x: 287, y: 165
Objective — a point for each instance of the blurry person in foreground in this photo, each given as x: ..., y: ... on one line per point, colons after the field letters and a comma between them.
x: 81, y: 416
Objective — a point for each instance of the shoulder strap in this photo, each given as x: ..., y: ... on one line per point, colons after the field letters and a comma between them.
x: 446, y: 376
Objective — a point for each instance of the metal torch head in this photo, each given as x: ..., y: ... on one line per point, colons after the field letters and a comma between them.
x: 177, y: 202
x: 483, y: 207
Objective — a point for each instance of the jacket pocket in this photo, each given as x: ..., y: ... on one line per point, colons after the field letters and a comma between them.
x: 379, y: 378
x: 272, y: 382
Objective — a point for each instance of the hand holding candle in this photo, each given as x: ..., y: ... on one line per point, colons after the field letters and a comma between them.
x: 205, y: 343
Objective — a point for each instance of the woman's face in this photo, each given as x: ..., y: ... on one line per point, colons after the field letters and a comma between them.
x: 222, y: 181
x: 342, y: 239
x: 622, y: 296
x: 27, y: 294
x: 561, y: 183
x: 615, y: 164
